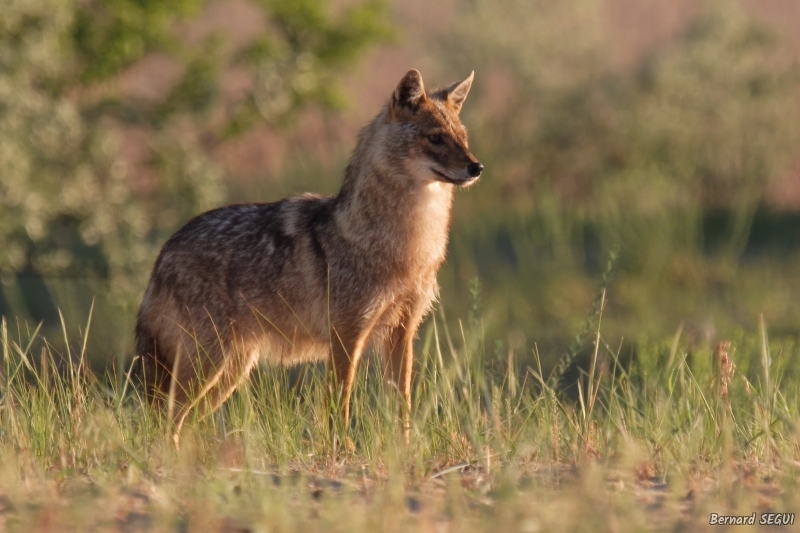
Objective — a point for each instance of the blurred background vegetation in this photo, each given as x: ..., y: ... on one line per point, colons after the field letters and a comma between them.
x: 667, y: 130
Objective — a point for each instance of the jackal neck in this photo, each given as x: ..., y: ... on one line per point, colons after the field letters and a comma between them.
x: 386, y: 207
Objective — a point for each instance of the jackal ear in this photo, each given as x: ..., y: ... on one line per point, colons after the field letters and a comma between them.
x: 410, y: 92
x: 456, y: 93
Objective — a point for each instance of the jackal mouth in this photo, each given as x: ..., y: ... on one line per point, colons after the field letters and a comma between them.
x: 447, y: 179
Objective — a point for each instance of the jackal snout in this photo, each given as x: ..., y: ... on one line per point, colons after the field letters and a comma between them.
x: 459, y: 167
x: 461, y: 175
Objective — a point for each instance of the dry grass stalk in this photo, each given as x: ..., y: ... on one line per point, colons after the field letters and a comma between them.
x: 725, y: 367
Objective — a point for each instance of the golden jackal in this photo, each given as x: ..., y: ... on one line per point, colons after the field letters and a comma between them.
x: 308, y: 276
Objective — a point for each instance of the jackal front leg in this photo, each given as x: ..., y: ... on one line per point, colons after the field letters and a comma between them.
x: 347, y: 346
x: 399, y: 357
x: 346, y: 350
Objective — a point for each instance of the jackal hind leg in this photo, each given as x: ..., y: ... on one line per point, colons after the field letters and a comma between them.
x: 236, y: 369
x: 198, y: 368
x: 207, y: 385
x: 192, y: 378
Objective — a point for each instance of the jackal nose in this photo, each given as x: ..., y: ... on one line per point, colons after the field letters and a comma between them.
x: 475, y: 169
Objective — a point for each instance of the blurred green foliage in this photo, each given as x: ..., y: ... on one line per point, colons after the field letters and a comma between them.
x: 58, y: 193
x: 669, y: 159
x: 299, y: 64
x: 710, y: 118
x: 68, y: 209
x: 109, y: 35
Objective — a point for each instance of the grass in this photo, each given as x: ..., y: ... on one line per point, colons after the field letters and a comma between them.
x: 655, y: 442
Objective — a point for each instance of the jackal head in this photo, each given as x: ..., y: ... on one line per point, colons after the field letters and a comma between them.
x: 431, y: 139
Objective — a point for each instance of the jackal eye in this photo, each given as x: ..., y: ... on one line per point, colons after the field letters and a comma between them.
x: 435, y: 139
